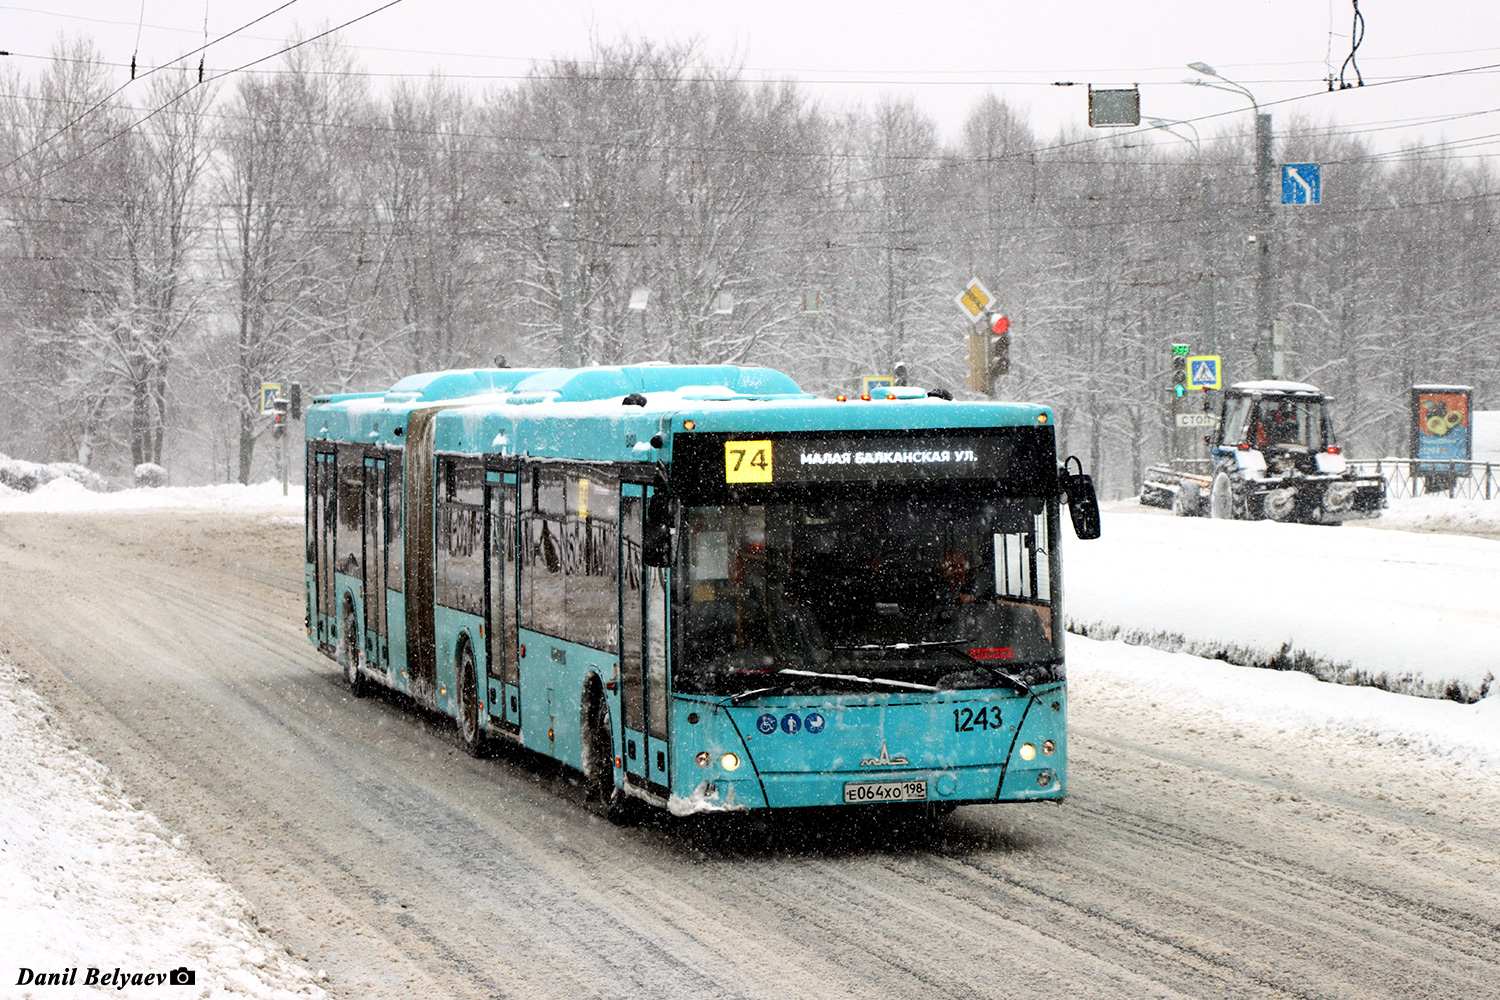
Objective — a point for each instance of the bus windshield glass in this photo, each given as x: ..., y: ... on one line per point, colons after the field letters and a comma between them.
x: 843, y: 589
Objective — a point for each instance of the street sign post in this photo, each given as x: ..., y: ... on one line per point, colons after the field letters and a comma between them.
x: 269, y: 392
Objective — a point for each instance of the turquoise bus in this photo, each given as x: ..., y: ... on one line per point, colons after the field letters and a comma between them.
x: 701, y: 587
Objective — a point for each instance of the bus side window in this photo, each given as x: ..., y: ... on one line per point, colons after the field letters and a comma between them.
x: 459, y: 548
x: 351, y: 494
x: 591, y: 561
x: 543, y: 586
x: 394, y: 525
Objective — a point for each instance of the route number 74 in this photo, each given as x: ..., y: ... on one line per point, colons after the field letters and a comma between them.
x: 747, y: 461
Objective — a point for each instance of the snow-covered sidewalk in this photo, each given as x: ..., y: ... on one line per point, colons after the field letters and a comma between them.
x: 1212, y: 695
x: 1406, y: 610
x: 90, y: 884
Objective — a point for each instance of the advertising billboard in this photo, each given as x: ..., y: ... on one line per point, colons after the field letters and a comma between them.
x: 1441, y: 431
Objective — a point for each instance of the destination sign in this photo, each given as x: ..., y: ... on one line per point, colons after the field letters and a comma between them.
x: 754, y: 461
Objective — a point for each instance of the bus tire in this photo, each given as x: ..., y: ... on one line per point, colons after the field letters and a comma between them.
x: 604, y: 798
x: 1221, y: 498
x: 349, y: 653
x: 470, y: 736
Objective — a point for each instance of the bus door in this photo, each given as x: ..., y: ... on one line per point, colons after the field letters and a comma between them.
x: 324, y: 486
x: 374, y: 564
x: 632, y: 633
x: 657, y: 652
x: 503, y: 663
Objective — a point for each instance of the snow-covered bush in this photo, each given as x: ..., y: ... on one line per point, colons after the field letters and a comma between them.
x: 151, y: 475
x: 19, y: 474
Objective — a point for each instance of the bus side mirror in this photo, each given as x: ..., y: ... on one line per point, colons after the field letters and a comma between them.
x: 656, y: 543
x: 1083, y: 503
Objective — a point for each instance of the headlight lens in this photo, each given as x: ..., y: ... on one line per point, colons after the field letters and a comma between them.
x: 1049, y: 748
x: 702, y: 758
x: 1028, y: 751
x: 730, y: 762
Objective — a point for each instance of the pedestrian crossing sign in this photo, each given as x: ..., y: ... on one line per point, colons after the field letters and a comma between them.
x: 1205, y: 372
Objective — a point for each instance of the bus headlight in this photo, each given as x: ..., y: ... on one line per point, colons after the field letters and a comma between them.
x: 1028, y: 751
x: 702, y: 758
x: 1049, y: 748
x: 730, y: 762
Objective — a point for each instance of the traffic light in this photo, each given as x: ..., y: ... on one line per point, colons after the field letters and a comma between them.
x: 999, y: 347
x: 989, y: 355
x: 1179, y: 369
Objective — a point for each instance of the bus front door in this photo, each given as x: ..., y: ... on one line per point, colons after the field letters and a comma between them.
x: 632, y: 635
x: 643, y: 652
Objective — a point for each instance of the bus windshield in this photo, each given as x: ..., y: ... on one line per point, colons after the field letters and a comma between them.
x: 843, y: 589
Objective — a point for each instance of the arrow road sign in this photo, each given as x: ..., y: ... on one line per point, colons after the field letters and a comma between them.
x: 1301, y: 184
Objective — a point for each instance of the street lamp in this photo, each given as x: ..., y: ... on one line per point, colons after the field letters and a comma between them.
x: 1166, y: 125
x: 1265, y: 287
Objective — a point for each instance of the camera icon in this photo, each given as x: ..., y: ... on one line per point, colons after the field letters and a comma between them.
x: 182, y: 976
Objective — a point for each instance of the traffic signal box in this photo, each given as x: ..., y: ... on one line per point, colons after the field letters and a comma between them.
x: 989, y: 355
x: 1180, y: 369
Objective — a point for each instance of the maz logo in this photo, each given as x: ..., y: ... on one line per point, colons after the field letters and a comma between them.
x: 885, y: 759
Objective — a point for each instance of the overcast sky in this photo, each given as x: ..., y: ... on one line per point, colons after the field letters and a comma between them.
x: 941, y: 55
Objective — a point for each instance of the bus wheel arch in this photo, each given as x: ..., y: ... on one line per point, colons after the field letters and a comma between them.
x: 349, y: 649
x: 466, y: 684
x: 603, y: 796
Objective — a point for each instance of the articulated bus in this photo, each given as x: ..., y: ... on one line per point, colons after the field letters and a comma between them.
x: 701, y: 587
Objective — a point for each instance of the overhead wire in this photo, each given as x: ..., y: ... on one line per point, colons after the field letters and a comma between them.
x: 108, y: 97
x: 173, y: 100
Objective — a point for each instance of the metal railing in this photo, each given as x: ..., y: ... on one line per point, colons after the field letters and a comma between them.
x: 1406, y: 477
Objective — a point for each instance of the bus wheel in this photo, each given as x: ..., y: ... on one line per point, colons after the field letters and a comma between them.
x: 349, y: 654
x: 603, y: 797
x: 469, y: 733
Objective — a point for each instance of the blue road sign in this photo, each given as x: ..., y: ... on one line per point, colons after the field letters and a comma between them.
x: 1301, y: 184
x: 1205, y: 372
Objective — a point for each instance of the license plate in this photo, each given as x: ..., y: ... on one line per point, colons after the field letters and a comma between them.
x: 856, y: 792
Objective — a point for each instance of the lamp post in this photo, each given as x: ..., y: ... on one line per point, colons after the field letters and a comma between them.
x: 1166, y: 125
x: 1265, y: 275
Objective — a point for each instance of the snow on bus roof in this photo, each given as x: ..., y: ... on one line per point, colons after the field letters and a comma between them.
x: 588, y: 384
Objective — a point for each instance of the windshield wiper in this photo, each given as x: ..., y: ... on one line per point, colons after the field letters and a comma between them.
x: 954, y: 646
x: 1009, y: 680
x: 798, y: 675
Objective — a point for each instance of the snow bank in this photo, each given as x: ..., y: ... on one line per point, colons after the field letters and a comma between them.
x: 66, y: 496
x: 88, y: 880
x: 22, y: 476
x: 1290, y: 702
x: 1403, y: 611
x: 1438, y: 513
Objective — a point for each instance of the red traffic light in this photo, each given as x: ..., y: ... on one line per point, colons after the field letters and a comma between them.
x: 1000, y: 325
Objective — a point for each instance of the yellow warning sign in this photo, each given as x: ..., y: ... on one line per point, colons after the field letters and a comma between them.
x: 747, y: 461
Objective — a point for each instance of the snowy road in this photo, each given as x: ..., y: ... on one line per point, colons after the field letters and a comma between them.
x: 1200, y: 854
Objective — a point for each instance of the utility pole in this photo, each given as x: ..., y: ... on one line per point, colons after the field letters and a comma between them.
x: 1265, y: 270
x: 569, y: 298
x: 1265, y: 274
